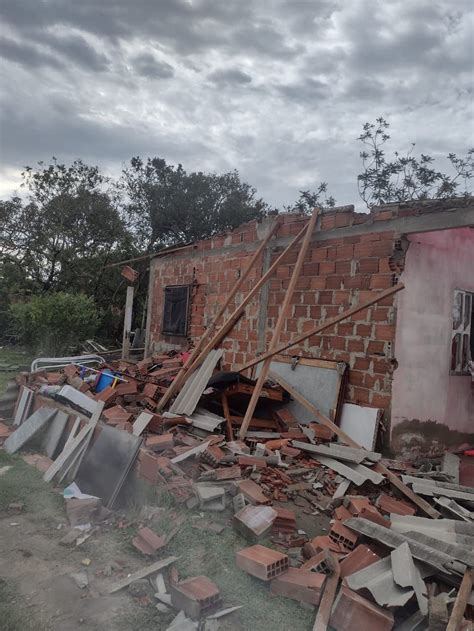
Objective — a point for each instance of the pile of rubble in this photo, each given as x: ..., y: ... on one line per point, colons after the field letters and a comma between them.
x: 398, y: 552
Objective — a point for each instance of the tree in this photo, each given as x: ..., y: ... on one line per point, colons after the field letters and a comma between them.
x: 166, y: 205
x: 60, y: 238
x: 406, y: 177
x: 308, y: 200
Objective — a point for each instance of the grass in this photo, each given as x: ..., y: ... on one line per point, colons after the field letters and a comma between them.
x: 13, y: 358
x: 13, y: 614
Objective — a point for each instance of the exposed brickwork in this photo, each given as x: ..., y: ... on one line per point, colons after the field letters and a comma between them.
x: 337, y: 273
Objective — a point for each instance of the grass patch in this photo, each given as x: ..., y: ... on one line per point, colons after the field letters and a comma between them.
x: 204, y: 552
x: 24, y: 483
x: 13, y: 358
x: 13, y: 614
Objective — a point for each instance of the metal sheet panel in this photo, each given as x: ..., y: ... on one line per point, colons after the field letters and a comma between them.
x: 105, y: 462
x: 317, y: 381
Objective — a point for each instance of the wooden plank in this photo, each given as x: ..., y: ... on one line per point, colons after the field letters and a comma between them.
x: 143, y: 573
x: 460, y: 603
x: 228, y: 420
x: 280, y: 323
x: 255, y: 422
x: 184, y: 371
x: 66, y: 453
x: 127, y: 323
x: 380, y: 468
x: 326, y: 325
x: 246, y: 388
x: 325, y: 606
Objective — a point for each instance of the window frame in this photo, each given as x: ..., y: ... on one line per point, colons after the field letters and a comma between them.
x: 462, y: 331
x: 166, y: 332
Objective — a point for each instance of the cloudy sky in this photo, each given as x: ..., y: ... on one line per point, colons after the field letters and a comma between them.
x: 278, y: 89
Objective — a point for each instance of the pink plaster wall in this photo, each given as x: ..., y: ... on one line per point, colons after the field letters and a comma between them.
x: 436, y: 264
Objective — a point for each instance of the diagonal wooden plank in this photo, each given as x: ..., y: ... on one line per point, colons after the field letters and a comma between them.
x: 326, y: 325
x: 282, y: 316
x: 182, y: 375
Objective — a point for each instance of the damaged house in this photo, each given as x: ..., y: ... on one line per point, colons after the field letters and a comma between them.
x: 406, y: 355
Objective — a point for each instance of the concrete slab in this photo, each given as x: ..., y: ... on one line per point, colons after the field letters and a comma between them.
x: 28, y: 429
x: 54, y: 433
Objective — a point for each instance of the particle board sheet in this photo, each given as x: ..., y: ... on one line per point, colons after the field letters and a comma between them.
x: 109, y: 456
x: 319, y: 381
x: 361, y: 424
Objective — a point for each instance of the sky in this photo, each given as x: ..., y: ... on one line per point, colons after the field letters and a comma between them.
x: 277, y: 89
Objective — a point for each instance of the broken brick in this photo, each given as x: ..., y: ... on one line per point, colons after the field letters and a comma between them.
x: 148, y: 542
x: 351, y: 610
x: 362, y: 556
x: 302, y: 585
x: 342, y: 535
x: 388, y: 504
x: 159, y: 442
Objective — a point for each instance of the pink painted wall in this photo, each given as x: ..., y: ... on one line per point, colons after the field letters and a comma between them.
x: 436, y: 264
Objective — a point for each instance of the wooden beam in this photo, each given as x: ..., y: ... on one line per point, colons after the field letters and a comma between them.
x: 460, y: 603
x: 280, y: 322
x: 180, y: 378
x: 325, y: 606
x: 228, y: 325
x: 127, y: 323
x: 228, y: 420
x: 380, y: 468
x: 326, y: 325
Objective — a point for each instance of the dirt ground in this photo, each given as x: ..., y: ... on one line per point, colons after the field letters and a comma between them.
x: 37, y: 591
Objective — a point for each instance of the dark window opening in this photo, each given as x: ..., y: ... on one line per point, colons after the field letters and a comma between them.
x: 176, y: 310
x: 462, y: 340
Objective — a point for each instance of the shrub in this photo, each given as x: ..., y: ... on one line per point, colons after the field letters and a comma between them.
x: 54, y: 323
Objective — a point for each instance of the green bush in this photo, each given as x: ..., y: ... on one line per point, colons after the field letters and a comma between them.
x: 54, y: 324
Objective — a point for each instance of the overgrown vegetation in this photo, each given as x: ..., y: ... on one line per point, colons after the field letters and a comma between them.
x: 73, y: 221
x: 54, y: 324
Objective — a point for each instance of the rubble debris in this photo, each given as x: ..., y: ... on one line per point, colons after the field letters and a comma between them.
x: 154, y: 568
x: 148, y: 542
x: 298, y: 584
x: 383, y: 536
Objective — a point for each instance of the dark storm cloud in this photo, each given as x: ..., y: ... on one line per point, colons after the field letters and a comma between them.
x: 277, y: 89
x: 26, y: 54
x: 229, y: 76
x: 147, y: 65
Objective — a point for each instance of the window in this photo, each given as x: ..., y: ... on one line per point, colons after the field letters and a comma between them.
x: 462, y: 341
x: 176, y: 310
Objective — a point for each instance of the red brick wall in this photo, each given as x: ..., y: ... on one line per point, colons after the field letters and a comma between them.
x: 337, y: 273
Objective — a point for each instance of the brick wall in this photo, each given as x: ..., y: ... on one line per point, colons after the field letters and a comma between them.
x: 337, y: 273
